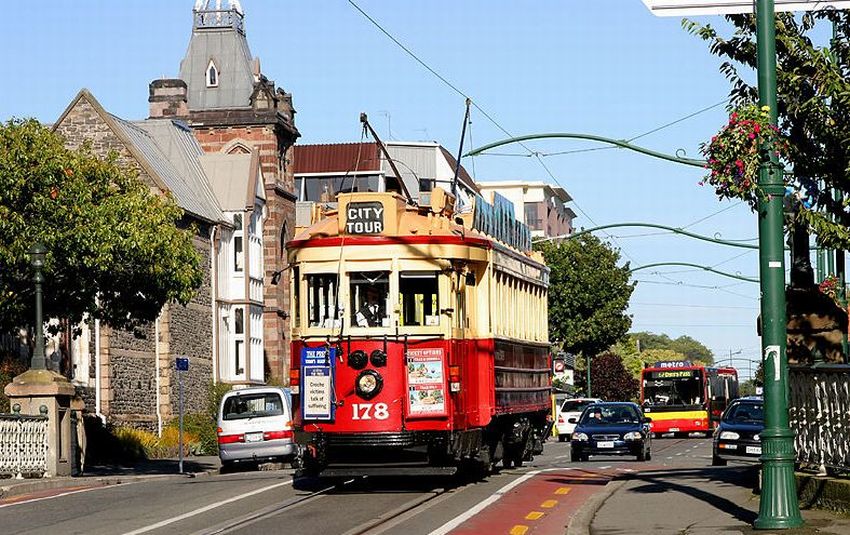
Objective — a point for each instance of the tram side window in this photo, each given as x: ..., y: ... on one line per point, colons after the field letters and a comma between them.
x: 369, y: 292
x: 322, y: 294
x: 418, y: 298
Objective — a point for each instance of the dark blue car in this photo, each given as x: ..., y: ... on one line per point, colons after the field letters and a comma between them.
x: 611, y: 428
x: 737, y: 437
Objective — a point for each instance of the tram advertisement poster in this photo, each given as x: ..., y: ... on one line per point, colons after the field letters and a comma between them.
x: 317, y: 392
x: 426, y: 383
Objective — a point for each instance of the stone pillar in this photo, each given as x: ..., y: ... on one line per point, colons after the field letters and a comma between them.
x: 35, y: 389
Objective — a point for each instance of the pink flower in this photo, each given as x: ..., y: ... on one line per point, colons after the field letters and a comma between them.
x: 752, y: 136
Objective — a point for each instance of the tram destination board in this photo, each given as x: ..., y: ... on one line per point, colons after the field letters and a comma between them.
x: 364, y: 218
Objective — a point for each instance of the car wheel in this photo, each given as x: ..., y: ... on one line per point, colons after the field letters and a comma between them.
x: 575, y: 457
x: 648, y: 455
x: 717, y: 461
x: 562, y: 438
x: 226, y: 467
x: 641, y: 456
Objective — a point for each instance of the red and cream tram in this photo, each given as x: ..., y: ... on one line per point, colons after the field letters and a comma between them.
x: 419, y: 339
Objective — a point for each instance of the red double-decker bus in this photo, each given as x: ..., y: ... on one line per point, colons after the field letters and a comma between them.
x: 681, y: 397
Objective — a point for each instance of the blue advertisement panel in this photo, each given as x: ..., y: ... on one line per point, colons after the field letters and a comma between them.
x: 317, y: 375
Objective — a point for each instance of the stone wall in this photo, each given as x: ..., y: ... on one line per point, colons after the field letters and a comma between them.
x: 274, y: 144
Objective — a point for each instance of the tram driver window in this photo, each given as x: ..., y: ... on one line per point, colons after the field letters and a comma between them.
x: 369, y: 292
x: 322, y: 293
x: 418, y: 298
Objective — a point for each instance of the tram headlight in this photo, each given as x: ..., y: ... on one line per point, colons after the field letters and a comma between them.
x: 378, y: 358
x: 368, y: 384
x: 357, y: 359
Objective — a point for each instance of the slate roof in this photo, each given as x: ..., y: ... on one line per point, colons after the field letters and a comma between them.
x: 228, y: 48
x: 234, y: 178
x: 188, y: 185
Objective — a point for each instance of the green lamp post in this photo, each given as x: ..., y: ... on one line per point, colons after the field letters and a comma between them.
x: 37, y: 254
x: 778, y: 507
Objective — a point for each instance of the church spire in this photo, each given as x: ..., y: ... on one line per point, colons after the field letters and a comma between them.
x: 211, y: 14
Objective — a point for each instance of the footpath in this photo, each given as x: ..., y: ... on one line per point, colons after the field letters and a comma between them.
x: 97, y: 476
x: 689, y: 501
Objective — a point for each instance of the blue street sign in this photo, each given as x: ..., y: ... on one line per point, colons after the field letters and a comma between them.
x: 182, y: 364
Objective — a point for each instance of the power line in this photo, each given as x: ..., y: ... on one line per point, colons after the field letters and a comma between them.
x: 477, y: 107
x: 678, y: 305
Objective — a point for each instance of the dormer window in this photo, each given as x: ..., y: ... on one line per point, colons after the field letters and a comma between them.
x: 212, y: 74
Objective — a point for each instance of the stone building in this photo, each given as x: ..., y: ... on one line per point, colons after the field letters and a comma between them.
x: 129, y: 377
x: 232, y: 107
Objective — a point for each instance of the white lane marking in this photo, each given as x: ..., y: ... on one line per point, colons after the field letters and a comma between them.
x: 679, y: 454
x: 460, y: 519
x: 605, y: 467
x: 206, y: 508
x: 562, y: 456
x: 32, y: 500
x: 669, y: 458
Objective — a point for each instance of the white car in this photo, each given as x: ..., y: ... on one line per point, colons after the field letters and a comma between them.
x: 255, y: 425
x: 571, y: 408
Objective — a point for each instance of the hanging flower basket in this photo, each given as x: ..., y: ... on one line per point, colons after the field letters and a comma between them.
x: 829, y: 287
x: 732, y: 156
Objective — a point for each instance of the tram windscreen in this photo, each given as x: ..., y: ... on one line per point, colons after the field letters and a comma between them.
x: 369, y: 292
x: 322, y: 293
x: 673, y: 388
x: 418, y: 296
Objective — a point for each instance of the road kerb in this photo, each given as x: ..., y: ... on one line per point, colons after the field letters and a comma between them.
x: 37, y: 485
x: 580, y: 522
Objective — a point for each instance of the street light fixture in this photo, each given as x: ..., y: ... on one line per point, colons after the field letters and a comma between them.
x: 37, y: 254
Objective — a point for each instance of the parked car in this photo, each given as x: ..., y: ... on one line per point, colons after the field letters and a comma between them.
x: 611, y: 428
x: 737, y: 437
x: 570, y: 408
x: 254, y: 425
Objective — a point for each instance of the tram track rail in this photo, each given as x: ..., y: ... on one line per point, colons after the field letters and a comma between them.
x: 383, y: 522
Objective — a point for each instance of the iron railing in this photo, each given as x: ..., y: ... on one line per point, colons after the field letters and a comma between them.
x: 23, y: 445
x: 819, y: 411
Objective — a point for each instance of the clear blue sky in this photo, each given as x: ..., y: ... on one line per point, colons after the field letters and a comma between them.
x: 605, y: 67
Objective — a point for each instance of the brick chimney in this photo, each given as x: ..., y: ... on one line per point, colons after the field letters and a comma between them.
x: 168, y: 99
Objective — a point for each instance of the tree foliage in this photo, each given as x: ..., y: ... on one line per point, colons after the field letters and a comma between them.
x: 609, y: 379
x: 588, y: 294
x: 115, y: 251
x: 684, y: 345
x: 813, y: 86
x: 628, y: 352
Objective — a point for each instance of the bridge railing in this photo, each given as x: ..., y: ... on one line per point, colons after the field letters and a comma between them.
x: 819, y: 410
x: 23, y: 445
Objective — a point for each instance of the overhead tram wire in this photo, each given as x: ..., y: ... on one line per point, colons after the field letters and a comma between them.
x: 477, y: 107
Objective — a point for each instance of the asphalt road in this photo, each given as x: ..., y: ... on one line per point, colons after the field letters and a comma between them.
x: 541, y: 496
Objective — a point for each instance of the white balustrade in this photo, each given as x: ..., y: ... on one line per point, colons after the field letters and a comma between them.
x: 819, y: 411
x: 23, y: 445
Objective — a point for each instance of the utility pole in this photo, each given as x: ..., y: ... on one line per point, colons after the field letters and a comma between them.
x: 778, y: 507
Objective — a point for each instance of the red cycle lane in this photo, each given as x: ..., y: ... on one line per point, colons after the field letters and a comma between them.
x: 543, y: 504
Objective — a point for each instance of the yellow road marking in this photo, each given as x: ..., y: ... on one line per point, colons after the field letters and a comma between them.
x: 548, y: 504
x: 519, y: 529
x: 563, y: 490
x: 534, y: 515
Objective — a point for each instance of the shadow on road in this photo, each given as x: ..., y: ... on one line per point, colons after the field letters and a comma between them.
x: 686, y: 481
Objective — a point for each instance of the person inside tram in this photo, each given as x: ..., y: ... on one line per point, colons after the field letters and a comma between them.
x: 370, y: 313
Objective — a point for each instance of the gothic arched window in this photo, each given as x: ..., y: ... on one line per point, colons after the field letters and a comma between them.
x: 212, y: 74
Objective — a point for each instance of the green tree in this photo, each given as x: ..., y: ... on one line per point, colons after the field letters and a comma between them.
x: 813, y: 89
x: 686, y: 346
x: 609, y: 378
x: 588, y: 294
x: 628, y: 352
x: 116, y: 251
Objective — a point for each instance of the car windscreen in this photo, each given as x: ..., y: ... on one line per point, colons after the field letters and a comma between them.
x: 609, y: 415
x: 252, y: 406
x: 745, y: 413
x: 575, y: 405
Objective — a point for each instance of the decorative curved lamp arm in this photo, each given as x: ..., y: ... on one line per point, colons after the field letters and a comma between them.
x: 590, y: 137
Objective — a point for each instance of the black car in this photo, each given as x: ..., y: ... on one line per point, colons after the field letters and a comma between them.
x: 737, y: 436
x: 611, y: 428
